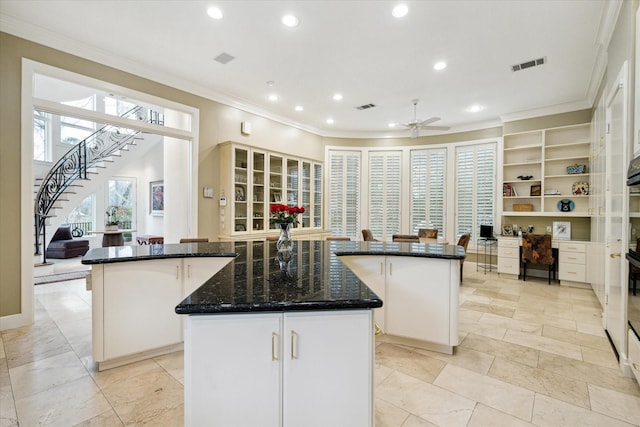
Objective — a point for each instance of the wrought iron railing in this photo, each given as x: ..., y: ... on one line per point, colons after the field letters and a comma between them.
x: 74, y: 164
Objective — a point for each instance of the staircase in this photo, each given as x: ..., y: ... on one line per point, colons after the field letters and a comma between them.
x: 74, y: 168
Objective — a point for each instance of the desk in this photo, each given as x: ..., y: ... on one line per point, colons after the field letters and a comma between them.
x: 147, y: 239
x: 439, y: 240
x: 112, y: 237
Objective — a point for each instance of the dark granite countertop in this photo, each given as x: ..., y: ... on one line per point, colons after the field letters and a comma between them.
x: 261, y: 279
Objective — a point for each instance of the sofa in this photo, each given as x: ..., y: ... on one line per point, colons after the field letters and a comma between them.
x: 63, y: 245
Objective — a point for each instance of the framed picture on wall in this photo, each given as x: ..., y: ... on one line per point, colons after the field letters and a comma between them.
x: 507, y: 230
x: 561, y: 230
x: 156, y: 198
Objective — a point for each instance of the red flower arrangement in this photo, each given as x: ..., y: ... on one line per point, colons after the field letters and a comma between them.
x: 283, y: 214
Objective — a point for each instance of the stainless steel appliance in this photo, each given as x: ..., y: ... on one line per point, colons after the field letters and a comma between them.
x: 633, y: 300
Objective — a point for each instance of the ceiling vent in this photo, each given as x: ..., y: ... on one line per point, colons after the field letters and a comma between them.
x: 365, y: 106
x: 224, y: 58
x: 529, y: 64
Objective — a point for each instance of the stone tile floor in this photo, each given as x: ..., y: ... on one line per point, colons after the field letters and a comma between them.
x: 530, y: 354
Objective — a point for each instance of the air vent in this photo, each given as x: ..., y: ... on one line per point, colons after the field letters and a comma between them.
x: 224, y: 58
x: 365, y: 106
x: 529, y: 64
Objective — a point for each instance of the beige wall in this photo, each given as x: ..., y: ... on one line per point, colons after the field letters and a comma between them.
x: 423, y: 140
x: 218, y: 123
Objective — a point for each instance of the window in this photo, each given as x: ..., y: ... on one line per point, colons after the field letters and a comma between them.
x: 428, y: 186
x: 41, y: 136
x: 122, y: 193
x: 344, y: 193
x: 385, y: 183
x: 475, y: 188
x: 83, y: 216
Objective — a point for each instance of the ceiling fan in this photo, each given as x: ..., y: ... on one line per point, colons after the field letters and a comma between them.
x: 415, y: 125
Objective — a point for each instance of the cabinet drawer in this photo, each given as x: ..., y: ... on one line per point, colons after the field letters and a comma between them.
x: 572, y: 258
x: 634, y: 354
x: 508, y: 243
x: 572, y: 272
x: 572, y: 247
x: 509, y: 252
x: 508, y: 265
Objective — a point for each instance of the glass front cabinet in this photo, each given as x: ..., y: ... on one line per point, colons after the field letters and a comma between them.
x: 253, y: 179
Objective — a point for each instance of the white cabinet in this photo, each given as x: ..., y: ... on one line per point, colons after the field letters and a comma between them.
x: 634, y: 354
x: 420, y: 296
x: 508, y: 256
x: 572, y: 261
x: 279, y: 369
x: 133, y: 306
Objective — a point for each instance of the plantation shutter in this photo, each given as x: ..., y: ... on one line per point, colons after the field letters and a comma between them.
x: 385, y: 184
x: 344, y: 197
x: 428, y: 173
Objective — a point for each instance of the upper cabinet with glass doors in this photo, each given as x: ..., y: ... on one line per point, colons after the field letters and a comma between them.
x: 252, y: 180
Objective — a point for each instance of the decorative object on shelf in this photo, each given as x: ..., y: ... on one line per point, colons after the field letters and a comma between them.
x: 530, y: 228
x: 507, y: 190
x: 276, y: 198
x: 561, y: 230
x: 536, y: 190
x: 507, y: 230
x: 241, y: 227
x: 156, y: 198
x: 576, y: 169
x: 113, y: 216
x: 523, y: 207
x: 566, y: 205
x: 580, y: 188
x: 239, y: 193
x: 551, y: 192
x: 285, y: 216
x: 525, y: 177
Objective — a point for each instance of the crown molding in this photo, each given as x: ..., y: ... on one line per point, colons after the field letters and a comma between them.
x: 547, y: 111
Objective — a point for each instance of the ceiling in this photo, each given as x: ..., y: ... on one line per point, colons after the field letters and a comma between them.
x: 356, y: 48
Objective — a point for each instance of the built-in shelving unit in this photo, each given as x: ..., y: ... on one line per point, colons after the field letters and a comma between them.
x: 536, y: 178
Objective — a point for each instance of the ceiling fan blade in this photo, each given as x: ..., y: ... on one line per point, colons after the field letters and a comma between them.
x: 429, y: 121
x: 436, y: 127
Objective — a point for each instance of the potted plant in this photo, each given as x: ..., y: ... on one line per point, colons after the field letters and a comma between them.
x: 113, y: 216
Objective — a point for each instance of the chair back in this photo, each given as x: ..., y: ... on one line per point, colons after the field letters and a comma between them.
x: 194, y: 240
x: 430, y: 233
x: 464, y: 241
x: 536, y: 249
x: 337, y: 238
x: 367, y: 235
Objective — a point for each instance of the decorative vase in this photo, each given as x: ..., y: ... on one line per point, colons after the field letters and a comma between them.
x: 284, y: 242
x: 111, y: 227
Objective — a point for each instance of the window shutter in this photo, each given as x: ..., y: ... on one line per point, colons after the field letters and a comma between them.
x: 344, y: 197
x: 385, y: 184
x: 428, y: 189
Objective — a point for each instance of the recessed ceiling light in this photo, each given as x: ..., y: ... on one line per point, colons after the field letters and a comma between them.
x: 299, y: 108
x: 337, y: 97
x: 290, y: 21
x: 400, y: 10
x: 440, y: 65
x: 270, y: 83
x: 214, y: 12
x: 329, y: 121
x: 392, y: 125
x: 273, y: 97
x: 474, y: 108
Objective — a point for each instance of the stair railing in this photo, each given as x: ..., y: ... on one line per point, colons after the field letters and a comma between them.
x: 73, y: 165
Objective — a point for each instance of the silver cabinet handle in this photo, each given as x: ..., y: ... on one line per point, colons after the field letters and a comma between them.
x: 293, y: 344
x: 274, y: 337
x: 382, y: 269
x: 177, y: 272
x: 390, y: 269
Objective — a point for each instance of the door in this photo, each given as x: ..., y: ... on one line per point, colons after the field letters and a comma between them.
x: 232, y: 370
x: 328, y: 369
x: 617, y: 211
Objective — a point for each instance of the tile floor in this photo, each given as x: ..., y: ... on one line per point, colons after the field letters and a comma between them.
x: 530, y: 354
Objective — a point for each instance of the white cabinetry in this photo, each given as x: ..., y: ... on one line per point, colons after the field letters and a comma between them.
x: 634, y: 354
x: 279, y: 369
x: 420, y: 297
x: 545, y: 155
x: 508, y: 256
x: 572, y: 262
x: 133, y: 306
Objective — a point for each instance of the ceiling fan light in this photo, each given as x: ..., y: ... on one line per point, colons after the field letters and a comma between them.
x: 415, y: 132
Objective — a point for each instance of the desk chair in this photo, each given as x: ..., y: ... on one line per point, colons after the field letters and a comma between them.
x: 634, y: 272
x: 367, y: 235
x: 194, y: 240
x: 272, y: 238
x: 464, y: 242
x: 536, y: 249
x: 430, y: 233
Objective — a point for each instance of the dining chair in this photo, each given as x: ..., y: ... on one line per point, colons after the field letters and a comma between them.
x: 367, y: 235
x: 464, y: 242
x: 430, y: 233
x: 536, y: 249
x: 337, y: 238
x: 194, y: 240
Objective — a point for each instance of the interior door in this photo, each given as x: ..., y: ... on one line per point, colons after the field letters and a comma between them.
x: 617, y: 209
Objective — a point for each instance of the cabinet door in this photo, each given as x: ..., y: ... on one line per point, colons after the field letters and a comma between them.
x: 417, y: 300
x: 232, y: 370
x: 328, y: 369
x: 139, y: 306
x: 240, y: 191
x: 258, y: 194
x: 197, y: 270
x: 371, y: 270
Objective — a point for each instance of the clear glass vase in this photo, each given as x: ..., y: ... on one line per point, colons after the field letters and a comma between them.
x: 284, y: 242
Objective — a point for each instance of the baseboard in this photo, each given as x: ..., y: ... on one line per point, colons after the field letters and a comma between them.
x: 14, y: 321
